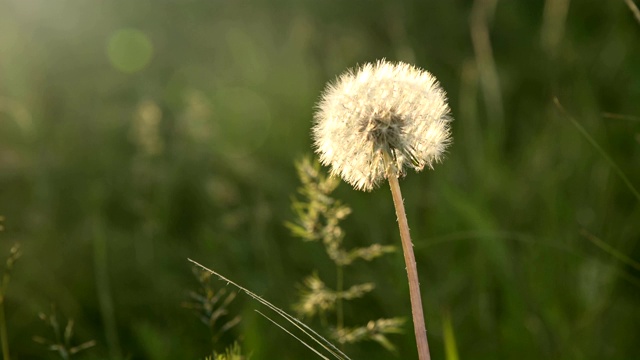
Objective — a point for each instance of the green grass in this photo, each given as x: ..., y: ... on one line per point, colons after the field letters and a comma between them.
x: 527, y: 236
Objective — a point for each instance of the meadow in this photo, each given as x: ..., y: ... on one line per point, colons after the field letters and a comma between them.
x: 135, y: 135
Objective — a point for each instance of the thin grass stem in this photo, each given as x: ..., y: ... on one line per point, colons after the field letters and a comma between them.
x: 339, y: 289
x: 291, y: 334
x: 412, y: 272
x: 634, y: 9
x: 14, y: 254
x: 324, y: 343
x: 609, y: 115
x: 610, y: 250
x: 604, y: 154
x: 3, y: 330
x: 105, y: 298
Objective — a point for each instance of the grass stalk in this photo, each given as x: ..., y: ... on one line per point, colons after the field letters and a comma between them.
x: 312, y: 334
x: 412, y: 272
x: 105, y: 299
x: 3, y: 330
x: 14, y: 254
x: 597, y: 146
x: 339, y: 290
x: 634, y: 9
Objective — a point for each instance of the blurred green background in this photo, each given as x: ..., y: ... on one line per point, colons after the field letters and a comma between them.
x: 137, y: 134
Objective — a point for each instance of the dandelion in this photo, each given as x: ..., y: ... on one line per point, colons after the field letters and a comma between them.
x: 374, y: 123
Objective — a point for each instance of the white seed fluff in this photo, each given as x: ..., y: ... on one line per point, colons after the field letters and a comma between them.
x: 379, y: 120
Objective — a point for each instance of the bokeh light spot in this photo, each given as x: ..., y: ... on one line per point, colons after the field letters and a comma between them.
x: 129, y: 50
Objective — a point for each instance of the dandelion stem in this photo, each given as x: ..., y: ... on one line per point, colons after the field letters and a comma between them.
x: 412, y: 271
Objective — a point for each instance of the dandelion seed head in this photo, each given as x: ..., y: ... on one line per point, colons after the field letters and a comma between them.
x: 377, y: 121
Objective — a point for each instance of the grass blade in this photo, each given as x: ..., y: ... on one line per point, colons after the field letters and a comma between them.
x: 610, y: 250
x: 324, y: 343
x: 592, y: 141
x: 450, y: 348
x: 297, y: 338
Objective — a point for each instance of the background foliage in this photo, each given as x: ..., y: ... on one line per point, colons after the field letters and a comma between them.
x: 135, y: 134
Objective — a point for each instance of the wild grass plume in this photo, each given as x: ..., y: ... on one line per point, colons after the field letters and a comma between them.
x: 318, y: 217
x: 233, y: 352
x: 211, y: 305
x: 372, y: 124
x: 62, y: 341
